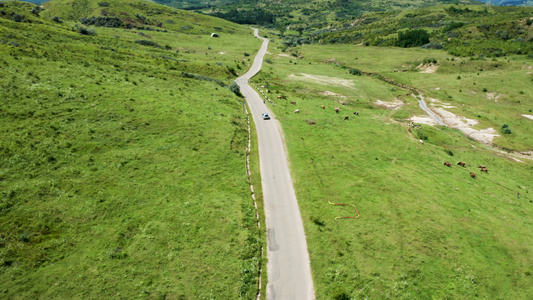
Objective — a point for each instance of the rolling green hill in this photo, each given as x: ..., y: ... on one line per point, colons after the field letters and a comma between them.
x: 424, y: 231
x: 122, y: 157
x: 478, y: 31
x: 310, y: 14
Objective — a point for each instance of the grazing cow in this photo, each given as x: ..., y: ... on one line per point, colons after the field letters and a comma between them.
x: 323, y: 107
x: 409, y: 129
x: 356, y: 113
x: 346, y: 118
x: 472, y: 175
x: 293, y: 102
x: 336, y: 109
x: 462, y: 164
x: 485, y: 170
x: 447, y: 164
x: 421, y: 142
x: 279, y: 97
x: 296, y: 111
x: 482, y: 167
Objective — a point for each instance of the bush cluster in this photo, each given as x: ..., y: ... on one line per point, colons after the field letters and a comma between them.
x: 148, y: 43
x: 84, y: 30
x: 412, y: 38
x: 203, y: 77
x: 506, y: 129
x: 355, y: 72
x: 234, y: 87
x: 101, y: 21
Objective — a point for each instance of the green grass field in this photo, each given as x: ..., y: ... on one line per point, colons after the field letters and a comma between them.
x: 425, y: 230
x: 119, y: 176
x: 122, y: 163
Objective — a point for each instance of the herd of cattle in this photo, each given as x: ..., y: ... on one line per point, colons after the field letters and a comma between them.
x: 447, y: 164
x: 463, y: 164
x: 337, y: 110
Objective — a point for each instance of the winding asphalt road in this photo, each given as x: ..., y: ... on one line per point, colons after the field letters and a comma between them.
x: 288, y: 267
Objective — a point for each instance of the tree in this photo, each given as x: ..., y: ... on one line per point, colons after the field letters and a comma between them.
x: 412, y: 38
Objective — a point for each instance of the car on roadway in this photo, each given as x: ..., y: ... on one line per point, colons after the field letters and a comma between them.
x: 265, y: 116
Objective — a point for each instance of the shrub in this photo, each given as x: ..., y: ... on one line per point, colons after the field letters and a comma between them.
x: 234, y: 87
x: 17, y: 18
x: 202, y: 77
x: 112, y: 22
x: 103, y: 4
x: 506, y: 129
x: 36, y: 10
x: 412, y: 38
x: 430, y: 61
x: 246, y: 54
x: 452, y: 26
x: 148, y: 43
x: 84, y: 30
x: 56, y: 19
x: 24, y: 237
x: 355, y: 72
x: 232, y: 71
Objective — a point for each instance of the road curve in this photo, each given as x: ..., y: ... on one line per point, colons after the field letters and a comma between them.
x: 288, y: 267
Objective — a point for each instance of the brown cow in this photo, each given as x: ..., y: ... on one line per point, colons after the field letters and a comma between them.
x: 356, y: 113
x: 293, y: 102
x: 485, y: 170
x: 462, y: 164
x: 481, y: 167
x: 336, y: 109
x: 447, y: 164
x: 279, y: 97
x: 346, y: 118
x: 472, y: 175
x: 323, y: 107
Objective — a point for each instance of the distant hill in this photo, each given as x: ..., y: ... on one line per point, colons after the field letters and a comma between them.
x: 507, y: 2
x: 135, y: 14
x: 474, y: 30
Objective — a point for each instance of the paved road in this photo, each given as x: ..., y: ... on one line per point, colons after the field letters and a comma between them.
x: 288, y: 268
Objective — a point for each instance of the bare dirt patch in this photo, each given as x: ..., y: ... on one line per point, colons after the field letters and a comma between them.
x: 494, y: 96
x: 463, y: 124
x: 284, y: 55
x: 438, y: 103
x: 324, y: 80
x: 329, y: 93
x: 423, y: 120
x: 528, y: 116
x: 396, y: 104
x: 428, y: 69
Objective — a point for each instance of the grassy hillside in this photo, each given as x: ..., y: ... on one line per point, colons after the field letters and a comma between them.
x: 463, y: 30
x: 122, y: 163
x: 308, y: 14
x: 425, y: 230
